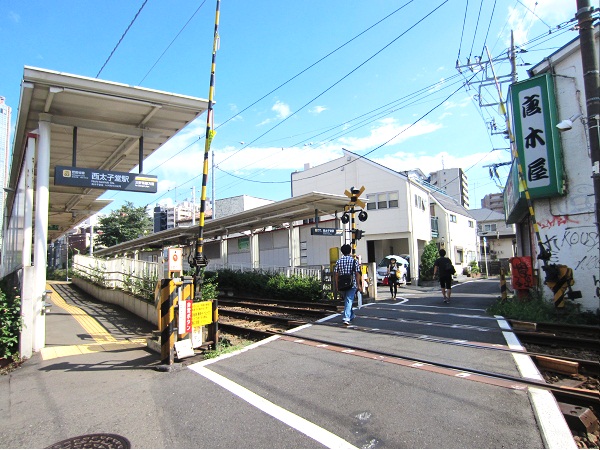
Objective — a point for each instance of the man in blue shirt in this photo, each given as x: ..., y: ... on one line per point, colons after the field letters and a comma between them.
x: 348, y: 265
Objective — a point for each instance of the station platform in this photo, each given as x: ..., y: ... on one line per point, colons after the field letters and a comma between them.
x: 408, y: 373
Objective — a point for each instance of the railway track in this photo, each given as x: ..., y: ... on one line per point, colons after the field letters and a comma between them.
x: 257, y: 319
x: 557, y: 335
x: 565, y: 394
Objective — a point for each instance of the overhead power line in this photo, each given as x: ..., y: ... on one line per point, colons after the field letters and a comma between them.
x: 341, y: 79
x: 315, y: 63
x: 118, y: 43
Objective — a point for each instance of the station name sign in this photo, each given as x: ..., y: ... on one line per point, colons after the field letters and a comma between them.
x: 105, y: 179
x: 326, y: 231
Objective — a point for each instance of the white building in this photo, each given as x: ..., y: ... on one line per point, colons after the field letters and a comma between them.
x: 500, y: 237
x: 401, y: 210
x: 561, y: 188
x: 5, y: 113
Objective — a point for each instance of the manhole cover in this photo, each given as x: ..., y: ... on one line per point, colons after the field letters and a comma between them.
x: 102, y: 440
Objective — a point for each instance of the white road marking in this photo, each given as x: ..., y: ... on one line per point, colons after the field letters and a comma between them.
x: 300, y: 424
x: 554, y: 429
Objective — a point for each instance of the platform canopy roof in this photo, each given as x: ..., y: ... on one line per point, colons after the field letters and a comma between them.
x: 302, y: 207
x: 110, y: 119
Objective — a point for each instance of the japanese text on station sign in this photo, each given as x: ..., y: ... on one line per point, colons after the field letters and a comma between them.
x: 201, y: 313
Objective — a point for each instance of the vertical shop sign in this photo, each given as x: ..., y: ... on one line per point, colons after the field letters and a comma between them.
x: 533, y: 110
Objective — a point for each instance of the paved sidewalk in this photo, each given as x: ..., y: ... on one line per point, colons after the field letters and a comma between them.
x: 96, y: 377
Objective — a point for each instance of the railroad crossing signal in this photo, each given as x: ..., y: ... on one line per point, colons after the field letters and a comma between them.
x: 353, y: 194
x: 349, y: 210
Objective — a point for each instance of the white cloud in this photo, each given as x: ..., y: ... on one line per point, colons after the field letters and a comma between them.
x: 317, y: 109
x: 462, y: 103
x: 429, y: 163
x: 521, y: 18
x: 282, y: 111
x: 388, y: 130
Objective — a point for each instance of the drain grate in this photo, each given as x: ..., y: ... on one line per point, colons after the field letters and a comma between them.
x: 100, y: 440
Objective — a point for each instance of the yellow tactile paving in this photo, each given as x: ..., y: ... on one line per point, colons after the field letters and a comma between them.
x: 89, y: 324
x: 105, y: 342
x: 70, y: 350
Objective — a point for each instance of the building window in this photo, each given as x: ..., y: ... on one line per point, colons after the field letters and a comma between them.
x: 459, y: 256
x: 383, y: 200
x: 419, y: 202
x: 452, y: 218
x: 471, y: 224
x: 489, y: 227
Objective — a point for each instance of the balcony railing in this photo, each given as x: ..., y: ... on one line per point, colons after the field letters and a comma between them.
x: 434, y: 227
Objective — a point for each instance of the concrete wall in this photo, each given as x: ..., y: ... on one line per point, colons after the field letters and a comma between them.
x: 117, y: 297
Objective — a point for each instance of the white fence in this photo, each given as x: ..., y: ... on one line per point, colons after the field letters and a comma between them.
x: 132, y: 275
x: 303, y: 272
x: 122, y: 273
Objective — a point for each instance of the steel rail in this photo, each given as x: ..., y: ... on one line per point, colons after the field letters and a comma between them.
x: 587, y: 365
x: 261, y: 317
x: 547, y: 339
x: 282, y: 309
x: 296, y: 303
x: 594, y: 330
x: 560, y: 392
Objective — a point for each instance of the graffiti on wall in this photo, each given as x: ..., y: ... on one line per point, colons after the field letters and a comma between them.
x: 576, y: 245
x: 557, y: 220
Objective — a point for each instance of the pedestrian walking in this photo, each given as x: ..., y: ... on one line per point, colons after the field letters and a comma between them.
x: 445, y: 268
x: 347, y: 280
x: 393, y: 274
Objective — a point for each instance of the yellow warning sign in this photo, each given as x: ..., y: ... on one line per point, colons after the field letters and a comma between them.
x: 201, y: 313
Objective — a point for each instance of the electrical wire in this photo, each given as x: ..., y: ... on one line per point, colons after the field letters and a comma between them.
x: 362, y: 123
x: 169, y: 46
x: 118, y: 43
x: 533, y: 12
x: 462, y: 33
x: 488, y: 29
x: 244, y: 179
x: 314, y: 64
x: 341, y: 79
x: 476, y: 28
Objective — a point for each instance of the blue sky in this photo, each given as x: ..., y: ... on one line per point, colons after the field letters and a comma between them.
x: 376, y: 77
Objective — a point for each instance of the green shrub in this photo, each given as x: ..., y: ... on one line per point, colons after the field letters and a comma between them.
x: 210, y: 286
x: 56, y: 274
x: 271, y: 285
x: 430, y: 254
x: 474, y: 266
x: 10, y: 323
x: 537, y: 309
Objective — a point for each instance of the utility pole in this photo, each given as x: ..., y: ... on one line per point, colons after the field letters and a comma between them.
x: 589, y: 62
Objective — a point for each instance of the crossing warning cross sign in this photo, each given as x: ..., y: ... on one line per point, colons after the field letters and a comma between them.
x: 353, y: 194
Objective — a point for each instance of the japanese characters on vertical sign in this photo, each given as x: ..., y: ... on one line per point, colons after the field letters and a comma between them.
x: 536, y: 137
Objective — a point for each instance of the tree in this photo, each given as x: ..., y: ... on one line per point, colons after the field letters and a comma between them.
x: 430, y: 254
x: 122, y: 225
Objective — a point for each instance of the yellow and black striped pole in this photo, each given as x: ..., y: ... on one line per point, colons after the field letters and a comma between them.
x: 503, y: 284
x: 166, y: 316
x: 559, y: 285
x: 200, y: 260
